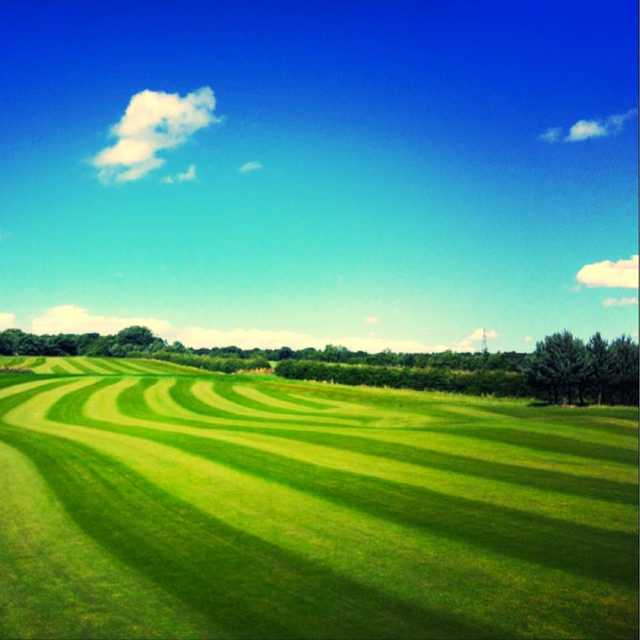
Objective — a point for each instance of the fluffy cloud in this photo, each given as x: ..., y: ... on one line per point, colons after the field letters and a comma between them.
x: 621, y: 274
x: 69, y: 318
x: 619, y: 302
x: 153, y: 121
x: 74, y: 319
x: 185, y: 176
x: 473, y: 341
x: 585, y: 129
x: 250, y: 167
x: 7, y: 321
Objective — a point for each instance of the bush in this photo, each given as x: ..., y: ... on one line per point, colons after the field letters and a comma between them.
x: 498, y: 383
x: 224, y: 365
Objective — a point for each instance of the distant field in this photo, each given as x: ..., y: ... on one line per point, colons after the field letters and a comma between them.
x: 142, y: 499
x: 80, y: 365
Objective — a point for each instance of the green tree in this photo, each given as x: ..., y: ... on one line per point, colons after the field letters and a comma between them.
x: 559, y: 364
x: 6, y: 345
x: 135, y: 336
x: 624, y: 369
x: 599, y: 364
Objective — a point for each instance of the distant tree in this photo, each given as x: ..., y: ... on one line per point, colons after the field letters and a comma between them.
x: 85, y: 341
x: 121, y: 350
x: 6, y: 345
x: 158, y: 344
x: 335, y: 353
x: 31, y: 345
x: 284, y: 353
x: 101, y: 347
x: 178, y: 347
x: 624, y: 369
x: 135, y: 336
x: 599, y: 360
x: 13, y: 337
x: 560, y: 365
x: 62, y: 344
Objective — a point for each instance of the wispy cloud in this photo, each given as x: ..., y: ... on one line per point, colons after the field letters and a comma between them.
x: 153, y: 121
x: 551, y: 135
x: 586, y: 129
x: 186, y: 176
x: 622, y: 274
x: 371, y: 320
x: 619, y: 302
x: 250, y: 167
x: 7, y: 321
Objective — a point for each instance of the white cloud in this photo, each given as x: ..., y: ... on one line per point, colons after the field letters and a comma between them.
x: 552, y: 134
x: 371, y: 320
x: 74, y: 319
x: 69, y: 318
x: 473, y: 342
x: 248, y: 338
x: 152, y: 122
x: 619, y: 302
x: 250, y: 167
x: 186, y: 176
x: 7, y: 321
x: 585, y: 129
x: 621, y: 274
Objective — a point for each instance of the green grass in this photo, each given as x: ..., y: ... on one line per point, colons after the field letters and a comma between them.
x: 147, y: 500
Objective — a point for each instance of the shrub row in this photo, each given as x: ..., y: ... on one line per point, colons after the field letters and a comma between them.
x: 224, y: 365
x: 497, y: 383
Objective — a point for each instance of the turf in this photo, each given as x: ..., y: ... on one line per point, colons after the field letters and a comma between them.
x: 142, y: 499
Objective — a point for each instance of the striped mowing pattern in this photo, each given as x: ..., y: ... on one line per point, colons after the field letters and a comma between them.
x: 144, y: 504
x: 83, y: 365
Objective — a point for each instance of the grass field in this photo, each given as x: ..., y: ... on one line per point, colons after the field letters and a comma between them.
x: 148, y: 500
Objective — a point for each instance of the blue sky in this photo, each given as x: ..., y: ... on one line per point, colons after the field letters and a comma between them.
x: 401, y: 193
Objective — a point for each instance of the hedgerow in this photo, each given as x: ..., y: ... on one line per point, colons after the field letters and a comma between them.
x: 497, y: 383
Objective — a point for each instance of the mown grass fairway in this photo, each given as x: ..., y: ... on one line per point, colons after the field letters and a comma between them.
x: 143, y: 499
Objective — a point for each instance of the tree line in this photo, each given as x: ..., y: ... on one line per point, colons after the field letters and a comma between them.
x: 479, y: 382
x: 135, y: 338
x: 228, y: 364
x: 561, y: 370
x: 566, y: 370
x: 141, y: 339
x: 502, y: 361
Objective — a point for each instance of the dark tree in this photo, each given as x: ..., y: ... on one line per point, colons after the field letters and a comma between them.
x: 599, y: 364
x: 136, y: 336
x: 624, y: 369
